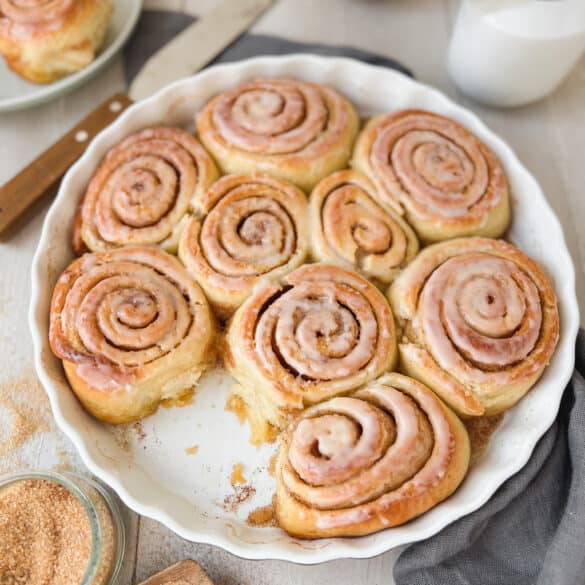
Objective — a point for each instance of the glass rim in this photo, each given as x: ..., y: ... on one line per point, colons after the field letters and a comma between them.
x: 66, y: 480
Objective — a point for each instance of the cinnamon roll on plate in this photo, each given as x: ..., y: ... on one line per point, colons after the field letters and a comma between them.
x: 143, y: 191
x: 132, y: 328
x: 352, y: 226
x: 292, y: 129
x: 246, y: 228
x: 321, y: 332
x: 439, y: 175
x: 371, y: 460
x: 479, y: 323
x: 44, y: 40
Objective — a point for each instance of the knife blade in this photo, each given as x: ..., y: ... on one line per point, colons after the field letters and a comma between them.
x: 184, y: 55
x: 196, y: 46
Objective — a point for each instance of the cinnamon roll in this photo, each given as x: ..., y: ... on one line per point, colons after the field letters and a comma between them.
x: 246, y: 228
x: 321, y: 332
x: 143, y: 191
x: 436, y: 173
x: 372, y: 460
x: 291, y: 129
x: 132, y: 328
x: 352, y: 227
x: 43, y: 40
x: 480, y: 323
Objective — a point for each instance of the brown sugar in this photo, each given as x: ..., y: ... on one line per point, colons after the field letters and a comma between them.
x: 236, y: 405
x: 237, y: 475
x: 272, y: 465
x: 263, y: 517
x: 45, y: 535
x: 184, y: 399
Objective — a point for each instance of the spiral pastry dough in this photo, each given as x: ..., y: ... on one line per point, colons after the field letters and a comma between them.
x: 43, y: 40
x: 374, y: 459
x: 435, y: 172
x: 351, y: 227
x: 132, y: 328
x: 291, y: 129
x: 143, y: 191
x: 324, y: 331
x: 247, y: 227
x: 480, y: 323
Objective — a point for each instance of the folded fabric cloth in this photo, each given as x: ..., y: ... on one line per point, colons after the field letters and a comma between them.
x: 156, y: 28
x: 532, y: 531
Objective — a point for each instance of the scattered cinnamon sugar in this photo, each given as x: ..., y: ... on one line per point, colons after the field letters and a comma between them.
x: 192, y: 450
x: 24, y: 414
x: 237, y: 475
x: 137, y: 426
x: 480, y: 430
x: 263, y: 517
x: 45, y: 536
x: 236, y: 405
x: 241, y: 494
x: 183, y: 400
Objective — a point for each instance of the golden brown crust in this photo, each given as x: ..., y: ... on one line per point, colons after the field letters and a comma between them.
x: 435, y: 172
x: 295, y: 130
x: 132, y: 329
x: 351, y: 226
x: 369, y: 461
x: 246, y: 228
x: 321, y: 332
x: 43, y: 41
x: 480, y: 323
x: 143, y: 191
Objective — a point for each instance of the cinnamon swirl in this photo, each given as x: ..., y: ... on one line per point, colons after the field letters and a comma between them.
x: 43, y: 40
x: 436, y: 173
x: 321, y: 332
x: 132, y: 328
x: 480, y: 323
x: 143, y: 191
x: 246, y: 228
x: 352, y: 227
x: 291, y: 129
x: 372, y: 460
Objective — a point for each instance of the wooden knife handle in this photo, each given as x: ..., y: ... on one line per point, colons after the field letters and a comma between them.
x: 45, y: 172
x: 185, y: 572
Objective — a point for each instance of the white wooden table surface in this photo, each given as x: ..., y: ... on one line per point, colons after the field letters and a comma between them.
x: 549, y: 138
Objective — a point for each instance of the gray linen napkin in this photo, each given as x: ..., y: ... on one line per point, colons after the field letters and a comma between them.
x: 156, y: 27
x: 532, y: 532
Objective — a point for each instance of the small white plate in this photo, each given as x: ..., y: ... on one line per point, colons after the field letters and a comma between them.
x: 150, y: 469
x: 18, y: 94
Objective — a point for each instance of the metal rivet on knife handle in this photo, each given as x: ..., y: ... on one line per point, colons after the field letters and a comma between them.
x: 44, y: 173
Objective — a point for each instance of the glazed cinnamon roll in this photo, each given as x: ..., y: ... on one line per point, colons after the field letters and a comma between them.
x: 43, y: 40
x: 480, y: 323
x: 436, y: 173
x: 246, y: 228
x: 291, y: 129
x: 143, y: 191
x: 132, y: 328
x: 372, y: 460
x: 321, y: 332
x: 352, y: 227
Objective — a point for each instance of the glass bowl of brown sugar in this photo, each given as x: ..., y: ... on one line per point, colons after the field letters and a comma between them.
x: 59, y: 529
